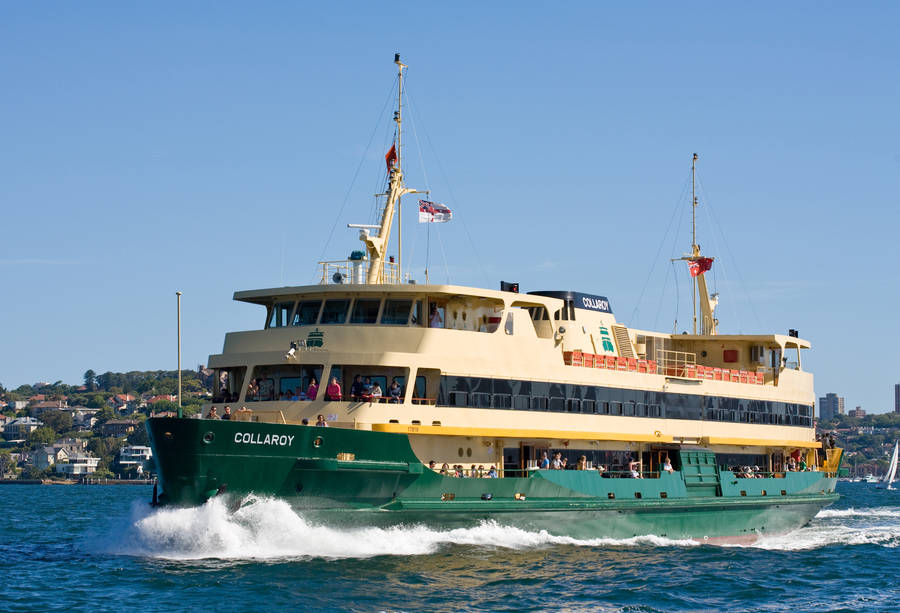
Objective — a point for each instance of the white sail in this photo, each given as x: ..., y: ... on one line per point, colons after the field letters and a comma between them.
x: 892, y: 470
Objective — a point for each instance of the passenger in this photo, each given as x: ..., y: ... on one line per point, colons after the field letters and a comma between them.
x: 481, y: 471
x: 633, y: 468
x: 356, y: 389
x: 545, y: 461
x: 320, y: 421
x: 376, y: 392
x: 667, y: 466
x: 492, y: 473
x: 434, y: 317
x: 473, y: 472
x: 395, y: 391
x: 227, y: 414
x: 367, y: 387
x: 253, y: 390
x: 557, y: 463
x: 445, y: 470
x: 459, y: 471
x: 304, y: 422
x: 297, y: 395
x: 792, y: 464
x: 431, y: 465
x: 211, y: 414
x: 601, y: 470
x: 582, y: 463
x: 333, y: 391
x: 313, y: 389
x: 802, y: 465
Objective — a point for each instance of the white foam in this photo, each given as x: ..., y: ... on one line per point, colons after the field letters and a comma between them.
x: 851, y: 512
x: 271, y: 529
x: 267, y: 528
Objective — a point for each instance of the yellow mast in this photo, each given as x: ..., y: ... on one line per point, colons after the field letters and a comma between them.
x: 376, y: 246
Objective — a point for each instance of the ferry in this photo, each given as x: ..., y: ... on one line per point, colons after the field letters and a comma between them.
x: 370, y: 399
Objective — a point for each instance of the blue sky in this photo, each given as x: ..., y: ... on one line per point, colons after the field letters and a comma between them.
x: 212, y: 147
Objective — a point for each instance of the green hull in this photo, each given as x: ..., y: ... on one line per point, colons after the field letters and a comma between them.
x: 382, y: 482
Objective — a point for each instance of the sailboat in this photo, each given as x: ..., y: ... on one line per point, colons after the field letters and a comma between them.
x: 888, y: 480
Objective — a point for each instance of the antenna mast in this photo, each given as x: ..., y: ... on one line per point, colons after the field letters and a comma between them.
x: 695, y: 249
x: 376, y: 246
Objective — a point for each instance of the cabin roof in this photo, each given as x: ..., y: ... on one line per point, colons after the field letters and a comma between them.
x: 265, y: 296
x: 758, y: 339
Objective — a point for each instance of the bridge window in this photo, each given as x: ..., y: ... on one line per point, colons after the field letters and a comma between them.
x: 396, y: 312
x: 365, y: 311
x: 279, y: 315
x: 335, y: 311
x: 307, y: 313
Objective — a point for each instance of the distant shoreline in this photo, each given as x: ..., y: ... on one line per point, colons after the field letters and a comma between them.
x: 70, y: 482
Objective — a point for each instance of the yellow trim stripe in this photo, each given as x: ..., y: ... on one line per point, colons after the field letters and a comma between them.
x: 656, y: 437
x: 760, y: 442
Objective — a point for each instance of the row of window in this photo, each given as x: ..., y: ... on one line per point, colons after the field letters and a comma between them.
x: 487, y: 393
x: 396, y: 312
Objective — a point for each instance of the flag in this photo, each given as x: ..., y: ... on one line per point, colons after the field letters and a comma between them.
x: 699, y: 266
x: 429, y: 212
x: 390, y: 157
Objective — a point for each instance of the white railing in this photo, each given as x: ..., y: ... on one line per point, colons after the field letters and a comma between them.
x: 357, y: 271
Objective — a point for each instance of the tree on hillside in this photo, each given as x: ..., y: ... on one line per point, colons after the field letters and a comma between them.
x: 41, y: 436
x: 90, y: 380
x: 6, y: 461
x: 59, y: 421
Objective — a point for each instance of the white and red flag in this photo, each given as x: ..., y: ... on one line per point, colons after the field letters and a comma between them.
x: 431, y: 212
x: 699, y: 266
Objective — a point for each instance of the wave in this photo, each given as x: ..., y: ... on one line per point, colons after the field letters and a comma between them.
x: 852, y: 512
x: 270, y: 529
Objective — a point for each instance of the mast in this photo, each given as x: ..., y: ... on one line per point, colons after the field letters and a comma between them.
x: 708, y: 323
x: 376, y: 246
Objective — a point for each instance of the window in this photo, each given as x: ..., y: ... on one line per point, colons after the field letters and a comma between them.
x: 280, y: 314
x: 365, y: 311
x: 231, y: 380
x: 335, y: 311
x: 396, y: 312
x: 307, y: 313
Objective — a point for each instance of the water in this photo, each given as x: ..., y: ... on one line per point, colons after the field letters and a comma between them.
x: 102, y: 548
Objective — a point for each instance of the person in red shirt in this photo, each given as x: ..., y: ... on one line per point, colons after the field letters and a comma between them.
x: 333, y: 391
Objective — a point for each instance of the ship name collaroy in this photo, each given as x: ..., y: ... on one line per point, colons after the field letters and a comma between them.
x: 595, y: 303
x: 255, y: 438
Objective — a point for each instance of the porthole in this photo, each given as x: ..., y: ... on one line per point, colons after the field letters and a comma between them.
x: 209, y: 437
x: 469, y: 452
x: 460, y: 452
x: 637, y: 495
x: 317, y: 442
x: 167, y: 435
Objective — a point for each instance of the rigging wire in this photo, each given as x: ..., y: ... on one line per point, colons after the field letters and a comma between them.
x: 454, y: 200
x: 737, y: 268
x: 634, y: 313
x: 352, y: 182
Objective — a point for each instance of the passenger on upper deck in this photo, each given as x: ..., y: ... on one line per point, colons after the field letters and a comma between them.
x: 434, y: 317
x: 633, y: 468
x: 313, y: 389
x: 211, y: 414
x: 227, y: 414
x: 376, y: 392
x: 492, y: 473
x: 582, y: 463
x: 667, y: 466
x: 356, y: 389
x: 333, y: 391
x: 320, y: 421
x: 395, y: 391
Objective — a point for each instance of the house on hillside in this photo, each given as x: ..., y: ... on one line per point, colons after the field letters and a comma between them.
x: 20, y: 428
x: 84, y: 418
x: 78, y: 465
x: 123, y: 403
x: 36, y: 408
x: 135, y: 455
x: 118, y: 427
x: 45, y: 457
x: 71, y: 445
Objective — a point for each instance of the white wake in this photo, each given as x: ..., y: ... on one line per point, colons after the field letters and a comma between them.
x: 270, y: 529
